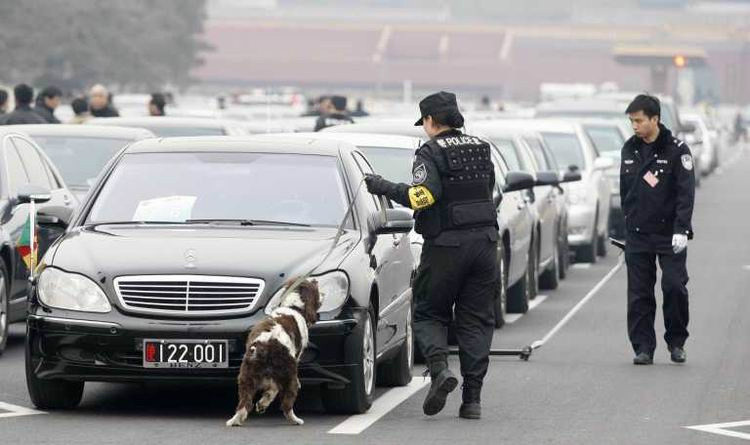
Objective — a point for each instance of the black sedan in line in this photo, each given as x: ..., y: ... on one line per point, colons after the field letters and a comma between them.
x: 183, y: 245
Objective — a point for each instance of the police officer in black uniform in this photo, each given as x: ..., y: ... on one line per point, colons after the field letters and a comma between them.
x: 451, y: 193
x: 657, y: 191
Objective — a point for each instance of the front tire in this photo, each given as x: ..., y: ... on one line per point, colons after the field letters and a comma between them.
x: 356, y: 397
x: 50, y: 394
x: 586, y: 253
x: 550, y: 278
x: 520, y: 293
x: 397, y: 371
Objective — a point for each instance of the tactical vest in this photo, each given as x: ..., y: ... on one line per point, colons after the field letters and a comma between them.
x: 466, y: 201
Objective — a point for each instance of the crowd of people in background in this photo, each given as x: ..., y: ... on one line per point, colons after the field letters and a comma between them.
x: 97, y: 103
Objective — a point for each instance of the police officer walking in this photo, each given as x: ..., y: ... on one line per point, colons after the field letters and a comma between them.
x: 657, y: 191
x: 451, y: 194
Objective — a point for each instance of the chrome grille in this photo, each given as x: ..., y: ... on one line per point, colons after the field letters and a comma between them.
x: 188, y: 295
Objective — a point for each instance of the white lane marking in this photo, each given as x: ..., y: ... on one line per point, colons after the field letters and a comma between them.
x: 721, y: 429
x: 581, y: 266
x: 512, y: 318
x: 580, y: 304
x: 16, y: 411
x: 537, y: 301
x: 382, y: 406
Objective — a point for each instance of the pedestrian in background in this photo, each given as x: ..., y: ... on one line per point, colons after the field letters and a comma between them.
x: 157, y: 104
x: 3, y: 103
x: 80, y: 110
x: 100, y: 103
x: 333, y: 112
x: 657, y: 191
x: 46, y: 102
x: 23, y: 114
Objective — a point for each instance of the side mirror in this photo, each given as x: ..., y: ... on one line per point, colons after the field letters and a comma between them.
x: 55, y: 215
x: 29, y: 192
x: 515, y: 181
x: 547, y: 178
x: 571, y: 176
x: 603, y: 163
x: 396, y: 221
x: 687, y: 127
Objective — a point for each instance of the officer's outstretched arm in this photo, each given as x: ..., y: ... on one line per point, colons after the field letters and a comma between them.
x: 424, y: 191
x: 685, y: 182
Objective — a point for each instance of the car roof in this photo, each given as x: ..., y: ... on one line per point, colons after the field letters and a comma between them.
x: 531, y: 125
x: 379, y: 126
x: 367, y: 139
x: 593, y: 104
x: 279, y: 143
x: 77, y: 130
x: 163, y: 121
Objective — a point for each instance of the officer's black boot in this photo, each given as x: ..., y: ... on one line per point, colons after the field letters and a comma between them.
x: 471, y: 407
x: 443, y: 382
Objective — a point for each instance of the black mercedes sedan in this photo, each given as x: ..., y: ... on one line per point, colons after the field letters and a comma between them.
x: 183, y: 243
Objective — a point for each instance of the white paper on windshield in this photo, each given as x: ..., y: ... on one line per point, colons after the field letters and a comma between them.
x: 168, y: 208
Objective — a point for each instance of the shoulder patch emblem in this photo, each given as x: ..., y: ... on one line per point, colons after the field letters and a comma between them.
x: 441, y: 143
x: 419, y: 174
x: 687, y: 162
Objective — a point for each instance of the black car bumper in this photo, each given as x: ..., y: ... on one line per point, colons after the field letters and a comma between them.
x: 73, y: 346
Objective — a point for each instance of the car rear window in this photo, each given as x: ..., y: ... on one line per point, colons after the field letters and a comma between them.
x: 567, y: 149
x: 80, y: 159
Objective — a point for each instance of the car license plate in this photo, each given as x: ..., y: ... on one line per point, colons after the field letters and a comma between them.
x: 171, y: 354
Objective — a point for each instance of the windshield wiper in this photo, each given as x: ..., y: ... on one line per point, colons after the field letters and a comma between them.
x: 245, y: 222
x: 123, y: 223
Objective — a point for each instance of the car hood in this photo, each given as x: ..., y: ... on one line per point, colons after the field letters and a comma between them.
x: 273, y: 255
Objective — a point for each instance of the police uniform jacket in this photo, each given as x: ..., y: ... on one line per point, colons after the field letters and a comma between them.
x: 658, y: 192
x: 451, y: 190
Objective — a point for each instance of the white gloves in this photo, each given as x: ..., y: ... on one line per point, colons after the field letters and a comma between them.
x: 679, y: 242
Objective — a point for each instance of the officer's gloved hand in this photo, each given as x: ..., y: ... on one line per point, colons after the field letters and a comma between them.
x: 679, y: 242
x: 376, y: 184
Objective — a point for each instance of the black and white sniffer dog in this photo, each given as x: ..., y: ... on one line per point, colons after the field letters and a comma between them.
x: 272, y: 353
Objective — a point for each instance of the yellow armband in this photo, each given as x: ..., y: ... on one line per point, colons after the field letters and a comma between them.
x: 420, y: 197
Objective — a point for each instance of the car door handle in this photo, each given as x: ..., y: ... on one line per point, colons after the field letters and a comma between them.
x: 66, y: 200
x: 522, y: 205
x: 396, y: 241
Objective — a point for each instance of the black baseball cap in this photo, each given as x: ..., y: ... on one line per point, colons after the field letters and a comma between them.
x: 436, y: 103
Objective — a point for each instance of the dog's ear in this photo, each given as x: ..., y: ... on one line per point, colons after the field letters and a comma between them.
x: 310, y: 295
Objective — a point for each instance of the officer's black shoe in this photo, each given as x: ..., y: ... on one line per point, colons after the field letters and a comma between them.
x: 678, y: 354
x: 471, y: 407
x: 443, y: 383
x: 643, y: 358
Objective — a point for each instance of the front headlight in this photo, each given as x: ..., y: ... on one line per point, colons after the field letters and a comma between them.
x: 72, y: 291
x: 333, y: 287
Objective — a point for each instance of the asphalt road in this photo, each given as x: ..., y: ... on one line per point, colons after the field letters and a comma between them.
x: 579, y: 388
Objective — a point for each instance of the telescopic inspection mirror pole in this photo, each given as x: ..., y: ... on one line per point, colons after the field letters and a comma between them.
x: 525, y: 352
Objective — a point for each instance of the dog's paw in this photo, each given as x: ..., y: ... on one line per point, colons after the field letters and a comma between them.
x: 293, y: 418
x: 238, y: 418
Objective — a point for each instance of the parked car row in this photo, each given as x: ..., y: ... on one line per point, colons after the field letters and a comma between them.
x: 184, y: 242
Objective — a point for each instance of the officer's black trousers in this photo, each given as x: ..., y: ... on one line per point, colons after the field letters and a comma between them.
x: 642, y: 302
x: 465, y: 276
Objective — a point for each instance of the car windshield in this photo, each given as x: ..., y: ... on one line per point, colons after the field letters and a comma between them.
x: 170, y: 132
x: 177, y: 187
x: 566, y: 148
x: 80, y: 159
x: 508, y: 150
x: 607, y: 140
x: 394, y: 164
